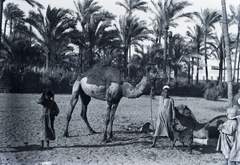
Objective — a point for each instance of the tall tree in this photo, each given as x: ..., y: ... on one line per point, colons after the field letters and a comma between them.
x: 52, y: 31
x: 207, y: 18
x: 178, y: 46
x: 95, y: 29
x: 196, y: 36
x: 17, y: 53
x: 228, y: 55
x: 235, y: 19
x: 12, y: 14
x: 130, y: 6
x: 33, y: 3
x: 217, y: 50
x: 169, y: 11
x: 131, y: 30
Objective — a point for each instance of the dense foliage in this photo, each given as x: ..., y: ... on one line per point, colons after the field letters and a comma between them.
x: 48, y: 48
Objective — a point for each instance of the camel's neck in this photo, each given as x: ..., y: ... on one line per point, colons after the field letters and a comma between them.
x: 131, y: 91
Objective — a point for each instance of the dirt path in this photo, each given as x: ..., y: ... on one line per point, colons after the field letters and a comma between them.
x: 20, y: 126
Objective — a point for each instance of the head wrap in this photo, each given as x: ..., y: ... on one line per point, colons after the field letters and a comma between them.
x: 232, y: 112
x: 166, y: 87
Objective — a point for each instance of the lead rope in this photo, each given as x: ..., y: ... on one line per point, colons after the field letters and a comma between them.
x: 151, y: 109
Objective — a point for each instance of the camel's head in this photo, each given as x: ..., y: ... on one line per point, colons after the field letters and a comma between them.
x: 153, y: 73
x: 185, y: 111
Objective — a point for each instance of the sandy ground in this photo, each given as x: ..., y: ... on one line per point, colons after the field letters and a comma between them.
x: 20, y: 126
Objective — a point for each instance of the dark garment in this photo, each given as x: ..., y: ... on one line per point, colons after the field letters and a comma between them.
x: 49, y: 111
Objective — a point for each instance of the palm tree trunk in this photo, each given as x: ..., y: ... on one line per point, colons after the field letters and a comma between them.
x: 175, y: 76
x: 129, y: 58
x: 1, y: 13
x: 228, y: 55
x: 220, y: 68
x: 5, y: 28
x: 11, y: 26
x: 221, y: 62
x: 189, y: 69
x: 236, y: 52
x: 126, y: 61
x: 165, y: 49
x: 197, y: 74
x: 205, y: 54
x: 192, y: 68
x: 48, y: 61
x: 238, y: 68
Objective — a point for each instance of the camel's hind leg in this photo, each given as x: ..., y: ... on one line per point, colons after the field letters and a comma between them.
x: 107, y: 120
x: 85, y: 101
x: 73, y: 102
x: 112, y: 116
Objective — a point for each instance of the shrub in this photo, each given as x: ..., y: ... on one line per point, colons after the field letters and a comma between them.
x: 211, y: 94
x: 13, y: 81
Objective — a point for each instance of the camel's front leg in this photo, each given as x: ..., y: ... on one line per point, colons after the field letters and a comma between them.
x: 107, y: 120
x: 73, y: 102
x: 112, y: 116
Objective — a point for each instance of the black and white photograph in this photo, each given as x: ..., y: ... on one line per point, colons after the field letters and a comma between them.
x: 119, y: 82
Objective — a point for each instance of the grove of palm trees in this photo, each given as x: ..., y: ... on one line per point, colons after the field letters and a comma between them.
x: 51, y: 46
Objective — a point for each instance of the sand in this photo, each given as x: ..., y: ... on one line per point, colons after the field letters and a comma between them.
x: 20, y: 127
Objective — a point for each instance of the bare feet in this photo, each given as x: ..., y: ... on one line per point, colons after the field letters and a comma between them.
x: 47, y: 144
x: 42, y: 144
x: 152, y: 146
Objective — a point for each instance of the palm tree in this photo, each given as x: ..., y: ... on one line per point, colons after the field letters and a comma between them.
x: 95, y: 30
x: 178, y: 46
x: 235, y: 19
x: 216, y: 45
x: 17, y: 52
x: 207, y: 18
x: 33, y: 3
x: 12, y: 14
x: 196, y: 35
x: 52, y: 32
x: 131, y: 31
x: 130, y: 6
x: 169, y: 11
x: 228, y: 55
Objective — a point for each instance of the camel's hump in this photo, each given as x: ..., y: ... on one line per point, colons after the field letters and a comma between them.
x: 99, y: 74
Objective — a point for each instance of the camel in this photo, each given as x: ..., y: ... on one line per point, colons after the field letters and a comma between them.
x: 106, y: 84
x: 200, y: 130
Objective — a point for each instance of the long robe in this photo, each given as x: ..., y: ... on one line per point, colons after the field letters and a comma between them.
x: 235, y: 151
x: 49, y: 111
x: 227, y: 137
x: 166, y: 113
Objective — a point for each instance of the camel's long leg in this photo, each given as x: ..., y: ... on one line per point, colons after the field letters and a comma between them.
x: 107, y: 120
x: 73, y: 102
x: 85, y: 101
x: 173, y: 144
x: 112, y: 116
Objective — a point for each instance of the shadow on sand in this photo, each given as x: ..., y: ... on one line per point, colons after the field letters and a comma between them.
x: 118, y: 141
x: 205, y: 149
